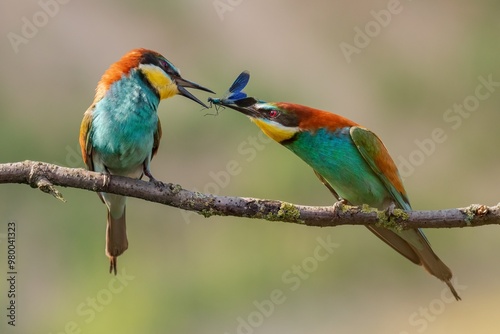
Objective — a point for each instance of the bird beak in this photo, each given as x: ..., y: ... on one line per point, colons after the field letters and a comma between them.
x: 182, y: 84
x: 246, y: 106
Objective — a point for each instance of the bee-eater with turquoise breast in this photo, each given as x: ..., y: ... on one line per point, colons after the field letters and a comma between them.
x: 351, y: 161
x: 120, y: 132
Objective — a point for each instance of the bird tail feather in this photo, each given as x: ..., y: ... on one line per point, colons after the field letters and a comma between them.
x: 116, y: 239
x: 413, y: 245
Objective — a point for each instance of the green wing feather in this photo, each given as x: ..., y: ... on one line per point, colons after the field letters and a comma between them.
x: 377, y: 157
x: 157, y: 137
x: 85, y: 144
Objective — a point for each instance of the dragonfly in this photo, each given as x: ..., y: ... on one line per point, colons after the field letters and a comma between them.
x: 235, y: 93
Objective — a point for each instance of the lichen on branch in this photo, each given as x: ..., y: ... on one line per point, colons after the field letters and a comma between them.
x: 47, y: 177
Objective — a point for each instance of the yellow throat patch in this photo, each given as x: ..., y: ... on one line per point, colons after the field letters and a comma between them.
x: 275, y: 130
x: 159, y: 80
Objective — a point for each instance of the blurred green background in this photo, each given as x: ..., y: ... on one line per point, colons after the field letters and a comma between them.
x: 188, y: 274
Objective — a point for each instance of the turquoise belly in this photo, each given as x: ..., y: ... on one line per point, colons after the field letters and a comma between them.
x: 334, y: 156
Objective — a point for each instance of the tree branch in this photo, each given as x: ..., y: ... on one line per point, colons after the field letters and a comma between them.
x: 46, y: 176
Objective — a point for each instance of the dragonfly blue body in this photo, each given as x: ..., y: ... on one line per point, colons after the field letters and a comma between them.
x: 235, y: 92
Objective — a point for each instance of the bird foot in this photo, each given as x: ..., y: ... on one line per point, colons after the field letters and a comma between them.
x: 337, y: 206
x: 106, y: 179
x: 389, y: 211
x: 156, y: 182
x: 152, y: 179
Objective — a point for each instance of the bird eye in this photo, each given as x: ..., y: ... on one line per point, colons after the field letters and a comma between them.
x: 273, y: 113
x: 164, y: 64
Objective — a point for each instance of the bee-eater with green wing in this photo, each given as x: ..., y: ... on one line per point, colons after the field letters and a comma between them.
x: 120, y: 132
x: 351, y: 161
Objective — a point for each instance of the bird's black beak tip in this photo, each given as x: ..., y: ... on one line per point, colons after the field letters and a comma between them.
x: 182, y: 84
x: 244, y: 106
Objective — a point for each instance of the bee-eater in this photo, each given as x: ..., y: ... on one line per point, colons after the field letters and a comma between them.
x: 120, y: 132
x: 351, y: 161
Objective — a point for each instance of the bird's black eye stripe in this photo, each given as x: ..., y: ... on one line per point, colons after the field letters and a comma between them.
x: 282, y: 117
x: 164, y: 64
x: 167, y: 67
x: 148, y: 58
x: 245, y: 102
